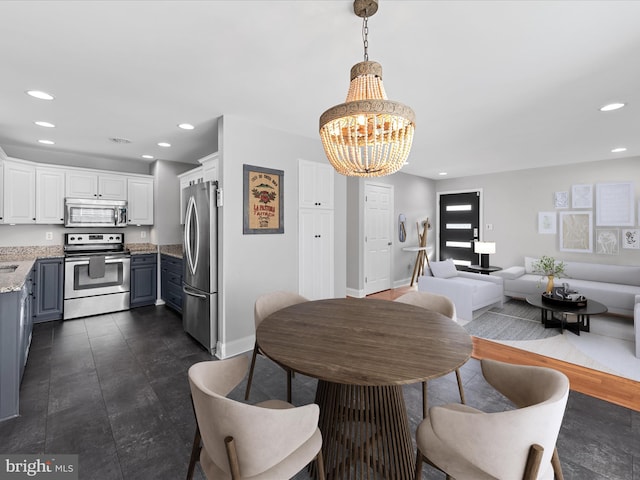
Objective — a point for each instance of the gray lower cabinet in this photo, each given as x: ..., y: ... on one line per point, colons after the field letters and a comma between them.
x: 48, y: 289
x: 16, y: 326
x: 171, y: 281
x: 144, y: 280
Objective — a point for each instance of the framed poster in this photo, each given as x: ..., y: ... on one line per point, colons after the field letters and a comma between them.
x: 631, y: 238
x: 614, y: 204
x: 582, y: 196
x: 547, y: 222
x: 607, y: 241
x: 561, y: 199
x: 263, y: 203
x: 576, y: 232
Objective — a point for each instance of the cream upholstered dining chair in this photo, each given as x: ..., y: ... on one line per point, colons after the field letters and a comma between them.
x: 444, y: 306
x: 270, y: 440
x: 266, y: 305
x: 466, y: 443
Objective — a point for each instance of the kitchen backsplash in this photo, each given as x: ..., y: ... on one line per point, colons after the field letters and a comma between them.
x: 24, y: 235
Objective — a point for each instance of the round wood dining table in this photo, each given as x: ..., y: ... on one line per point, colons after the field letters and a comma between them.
x: 362, y: 351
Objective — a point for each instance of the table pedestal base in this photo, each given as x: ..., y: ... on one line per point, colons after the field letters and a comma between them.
x: 365, y: 432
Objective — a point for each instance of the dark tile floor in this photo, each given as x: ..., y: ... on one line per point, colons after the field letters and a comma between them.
x: 113, y: 389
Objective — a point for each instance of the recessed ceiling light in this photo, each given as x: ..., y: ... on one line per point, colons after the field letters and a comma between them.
x: 442, y: 174
x: 186, y: 126
x: 40, y: 95
x: 47, y: 142
x: 619, y: 149
x: 44, y: 124
x: 611, y: 106
x: 164, y: 144
x: 147, y: 156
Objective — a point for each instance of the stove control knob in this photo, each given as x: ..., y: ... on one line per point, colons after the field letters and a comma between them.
x: 110, y: 238
x: 79, y: 238
x: 72, y: 238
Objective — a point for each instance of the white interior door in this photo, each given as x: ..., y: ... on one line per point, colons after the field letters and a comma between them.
x: 378, y: 222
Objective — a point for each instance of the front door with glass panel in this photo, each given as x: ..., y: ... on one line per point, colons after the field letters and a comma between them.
x: 459, y: 227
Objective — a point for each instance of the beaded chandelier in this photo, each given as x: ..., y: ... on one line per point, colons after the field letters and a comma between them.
x: 368, y: 135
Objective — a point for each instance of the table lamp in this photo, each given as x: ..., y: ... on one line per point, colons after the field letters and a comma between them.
x: 484, y: 249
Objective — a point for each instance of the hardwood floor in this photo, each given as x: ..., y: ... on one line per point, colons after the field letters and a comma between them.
x: 611, y: 388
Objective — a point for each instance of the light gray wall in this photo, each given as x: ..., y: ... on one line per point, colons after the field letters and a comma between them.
x: 71, y: 159
x: 512, y: 200
x: 251, y: 265
x: 35, y: 235
x: 166, y: 192
x: 415, y: 198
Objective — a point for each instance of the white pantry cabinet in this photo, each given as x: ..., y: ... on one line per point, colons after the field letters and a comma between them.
x: 316, y: 253
x: 315, y: 185
x: 85, y: 184
x: 140, y: 206
x: 19, y: 192
x: 315, y: 230
x: 50, y: 195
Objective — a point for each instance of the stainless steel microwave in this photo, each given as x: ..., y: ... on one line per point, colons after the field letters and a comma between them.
x: 83, y: 212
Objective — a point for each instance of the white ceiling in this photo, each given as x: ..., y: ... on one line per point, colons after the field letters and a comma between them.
x: 495, y: 85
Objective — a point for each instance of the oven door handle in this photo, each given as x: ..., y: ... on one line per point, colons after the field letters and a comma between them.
x: 107, y: 259
x: 191, y: 293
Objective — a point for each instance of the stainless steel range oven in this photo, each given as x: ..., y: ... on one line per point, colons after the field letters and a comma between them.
x: 96, y: 274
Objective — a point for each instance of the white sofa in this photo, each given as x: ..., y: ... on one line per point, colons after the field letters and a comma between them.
x: 468, y: 291
x: 616, y: 286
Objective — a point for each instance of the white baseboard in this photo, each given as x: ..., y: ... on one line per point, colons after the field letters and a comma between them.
x: 405, y: 282
x: 235, y: 347
x: 352, y: 292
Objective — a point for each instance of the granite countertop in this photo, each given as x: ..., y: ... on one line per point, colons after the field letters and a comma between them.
x: 14, y: 281
x: 141, y: 248
x: 23, y: 258
x: 172, y: 250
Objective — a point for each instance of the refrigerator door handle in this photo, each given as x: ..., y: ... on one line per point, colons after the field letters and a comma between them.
x: 192, y: 226
x: 192, y: 293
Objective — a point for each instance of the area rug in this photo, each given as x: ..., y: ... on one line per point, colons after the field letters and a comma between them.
x: 516, y: 320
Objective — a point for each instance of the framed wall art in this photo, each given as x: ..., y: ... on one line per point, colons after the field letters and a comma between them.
x: 582, y: 196
x: 547, y: 222
x: 630, y: 238
x: 576, y: 231
x: 614, y: 204
x: 607, y: 242
x: 263, y: 203
x: 561, y: 199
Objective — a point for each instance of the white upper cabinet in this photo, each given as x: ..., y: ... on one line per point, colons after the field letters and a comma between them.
x: 81, y: 184
x: 210, y: 167
x: 315, y: 183
x: 140, y: 206
x: 19, y: 192
x: 112, y: 187
x: 50, y: 195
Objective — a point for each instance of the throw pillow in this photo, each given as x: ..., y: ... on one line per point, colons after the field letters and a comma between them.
x: 444, y: 269
x: 528, y: 264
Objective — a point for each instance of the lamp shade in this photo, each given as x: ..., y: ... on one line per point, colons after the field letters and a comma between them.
x: 484, y: 247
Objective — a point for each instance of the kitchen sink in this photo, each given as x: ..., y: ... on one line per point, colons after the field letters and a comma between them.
x: 8, y: 268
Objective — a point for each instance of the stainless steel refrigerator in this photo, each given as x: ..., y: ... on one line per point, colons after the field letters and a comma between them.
x: 200, y: 279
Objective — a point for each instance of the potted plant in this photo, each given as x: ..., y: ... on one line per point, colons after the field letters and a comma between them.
x: 551, y: 268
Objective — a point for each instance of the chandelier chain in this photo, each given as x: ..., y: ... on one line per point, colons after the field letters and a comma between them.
x: 365, y: 35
